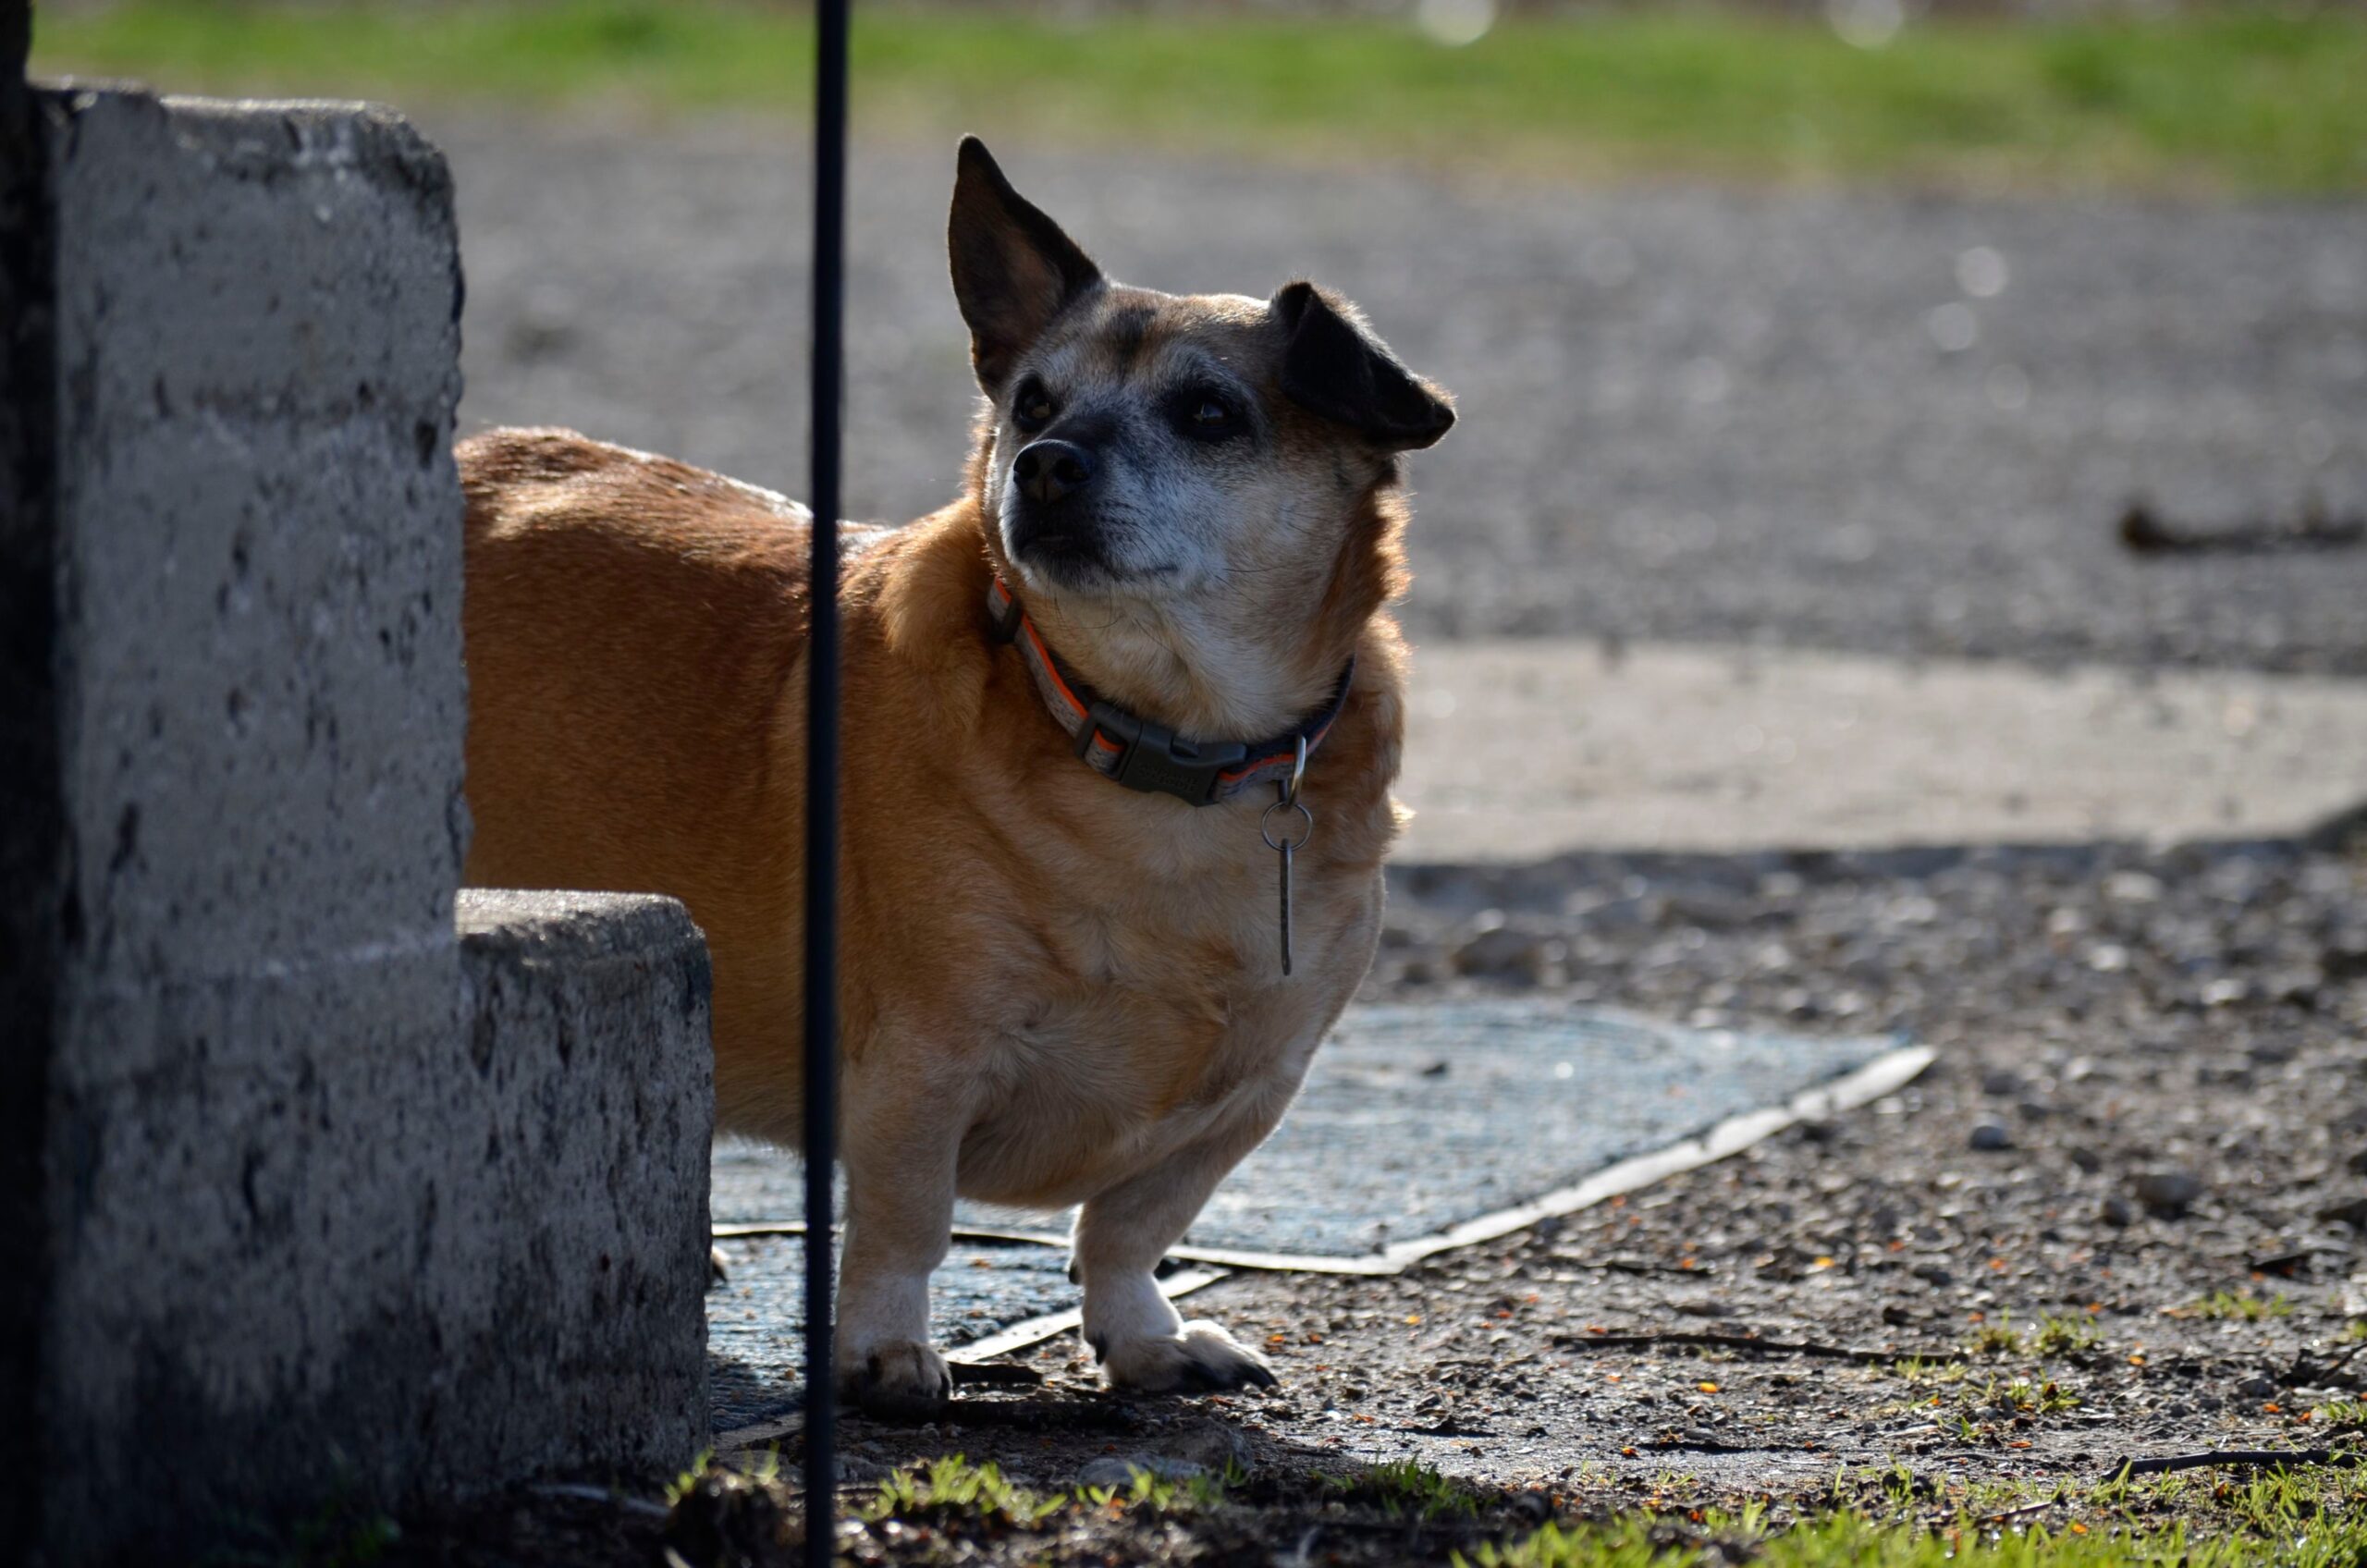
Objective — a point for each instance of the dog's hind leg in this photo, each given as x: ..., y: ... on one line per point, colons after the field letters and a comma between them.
x: 1143, y: 1342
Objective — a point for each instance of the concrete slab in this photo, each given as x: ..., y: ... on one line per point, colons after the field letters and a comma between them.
x: 572, y: 1262
x: 1522, y: 750
x: 1417, y: 1121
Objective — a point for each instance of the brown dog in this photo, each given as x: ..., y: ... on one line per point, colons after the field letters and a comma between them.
x: 1057, y: 989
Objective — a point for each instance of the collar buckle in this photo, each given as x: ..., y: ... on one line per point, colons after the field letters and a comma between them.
x: 1154, y: 759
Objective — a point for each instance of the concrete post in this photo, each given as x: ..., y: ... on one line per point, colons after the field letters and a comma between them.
x: 314, y: 1200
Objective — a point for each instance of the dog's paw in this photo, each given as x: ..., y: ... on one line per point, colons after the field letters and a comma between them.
x: 902, y: 1381
x: 1199, y: 1358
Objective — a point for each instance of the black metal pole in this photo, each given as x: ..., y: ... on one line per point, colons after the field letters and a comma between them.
x: 822, y: 774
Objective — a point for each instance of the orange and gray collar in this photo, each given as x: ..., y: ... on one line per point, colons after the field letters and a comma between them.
x: 1140, y: 754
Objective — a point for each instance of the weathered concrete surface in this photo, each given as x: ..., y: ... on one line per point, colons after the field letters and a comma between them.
x: 257, y: 353
x: 590, y: 1031
x: 1521, y: 750
x: 258, y: 1042
x: 322, y: 1196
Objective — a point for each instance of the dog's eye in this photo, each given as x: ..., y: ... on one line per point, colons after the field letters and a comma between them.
x: 1033, y: 408
x: 1207, y: 415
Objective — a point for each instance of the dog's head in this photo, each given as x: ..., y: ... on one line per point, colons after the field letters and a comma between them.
x: 1144, y: 450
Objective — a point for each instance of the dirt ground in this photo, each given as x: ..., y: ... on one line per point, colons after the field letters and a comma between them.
x: 2120, y: 1219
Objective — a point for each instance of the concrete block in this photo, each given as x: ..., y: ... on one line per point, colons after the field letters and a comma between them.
x: 589, y: 1033
x: 258, y: 331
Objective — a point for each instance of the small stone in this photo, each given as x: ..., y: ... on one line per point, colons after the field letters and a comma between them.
x: 2166, y: 1193
x: 1216, y: 1449
x: 2299, y: 989
x: 2352, y: 1212
x: 2132, y: 888
x: 1933, y: 1274
x: 2256, y: 1388
x: 1108, y: 1473
x: 1120, y: 1472
x: 1990, y: 1136
x: 2001, y: 1082
x: 2117, y: 1210
x: 2086, y: 1158
x: 1500, y: 952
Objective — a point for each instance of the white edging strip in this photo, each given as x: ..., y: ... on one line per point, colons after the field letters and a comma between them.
x: 1885, y: 1074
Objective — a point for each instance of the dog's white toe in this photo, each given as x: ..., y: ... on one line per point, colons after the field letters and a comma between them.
x: 903, y: 1381
x: 1199, y: 1358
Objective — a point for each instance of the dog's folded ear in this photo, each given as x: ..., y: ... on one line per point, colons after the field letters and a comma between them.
x: 1335, y: 367
x: 1014, y: 270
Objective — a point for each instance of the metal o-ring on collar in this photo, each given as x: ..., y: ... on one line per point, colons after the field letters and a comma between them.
x: 1304, y: 816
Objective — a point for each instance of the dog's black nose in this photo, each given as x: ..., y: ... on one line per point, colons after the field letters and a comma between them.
x: 1049, y: 470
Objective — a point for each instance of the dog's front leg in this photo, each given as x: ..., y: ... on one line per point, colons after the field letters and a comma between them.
x: 1143, y: 1342
x: 900, y: 1164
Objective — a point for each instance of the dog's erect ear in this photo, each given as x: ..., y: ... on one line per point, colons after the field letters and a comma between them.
x: 1335, y: 367
x: 1014, y: 270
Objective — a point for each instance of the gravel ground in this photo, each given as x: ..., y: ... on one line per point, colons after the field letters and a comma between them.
x: 1878, y: 422
x: 2124, y: 1215
x: 2151, y: 1091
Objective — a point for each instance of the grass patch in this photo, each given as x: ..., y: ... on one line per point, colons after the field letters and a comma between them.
x: 2241, y: 1307
x: 2203, y: 98
x: 1918, y: 1369
x: 2023, y: 1396
x: 953, y: 1489
x: 2063, y: 1336
x: 1404, y: 1487
x: 2303, y: 1517
x: 2000, y: 1338
x: 950, y: 1510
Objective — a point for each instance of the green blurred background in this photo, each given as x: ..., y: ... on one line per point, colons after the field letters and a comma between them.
x: 2190, y: 100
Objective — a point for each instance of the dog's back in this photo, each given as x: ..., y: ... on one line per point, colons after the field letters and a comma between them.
x: 634, y: 631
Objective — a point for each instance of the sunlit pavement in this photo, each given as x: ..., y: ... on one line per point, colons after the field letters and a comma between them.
x: 1523, y: 750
